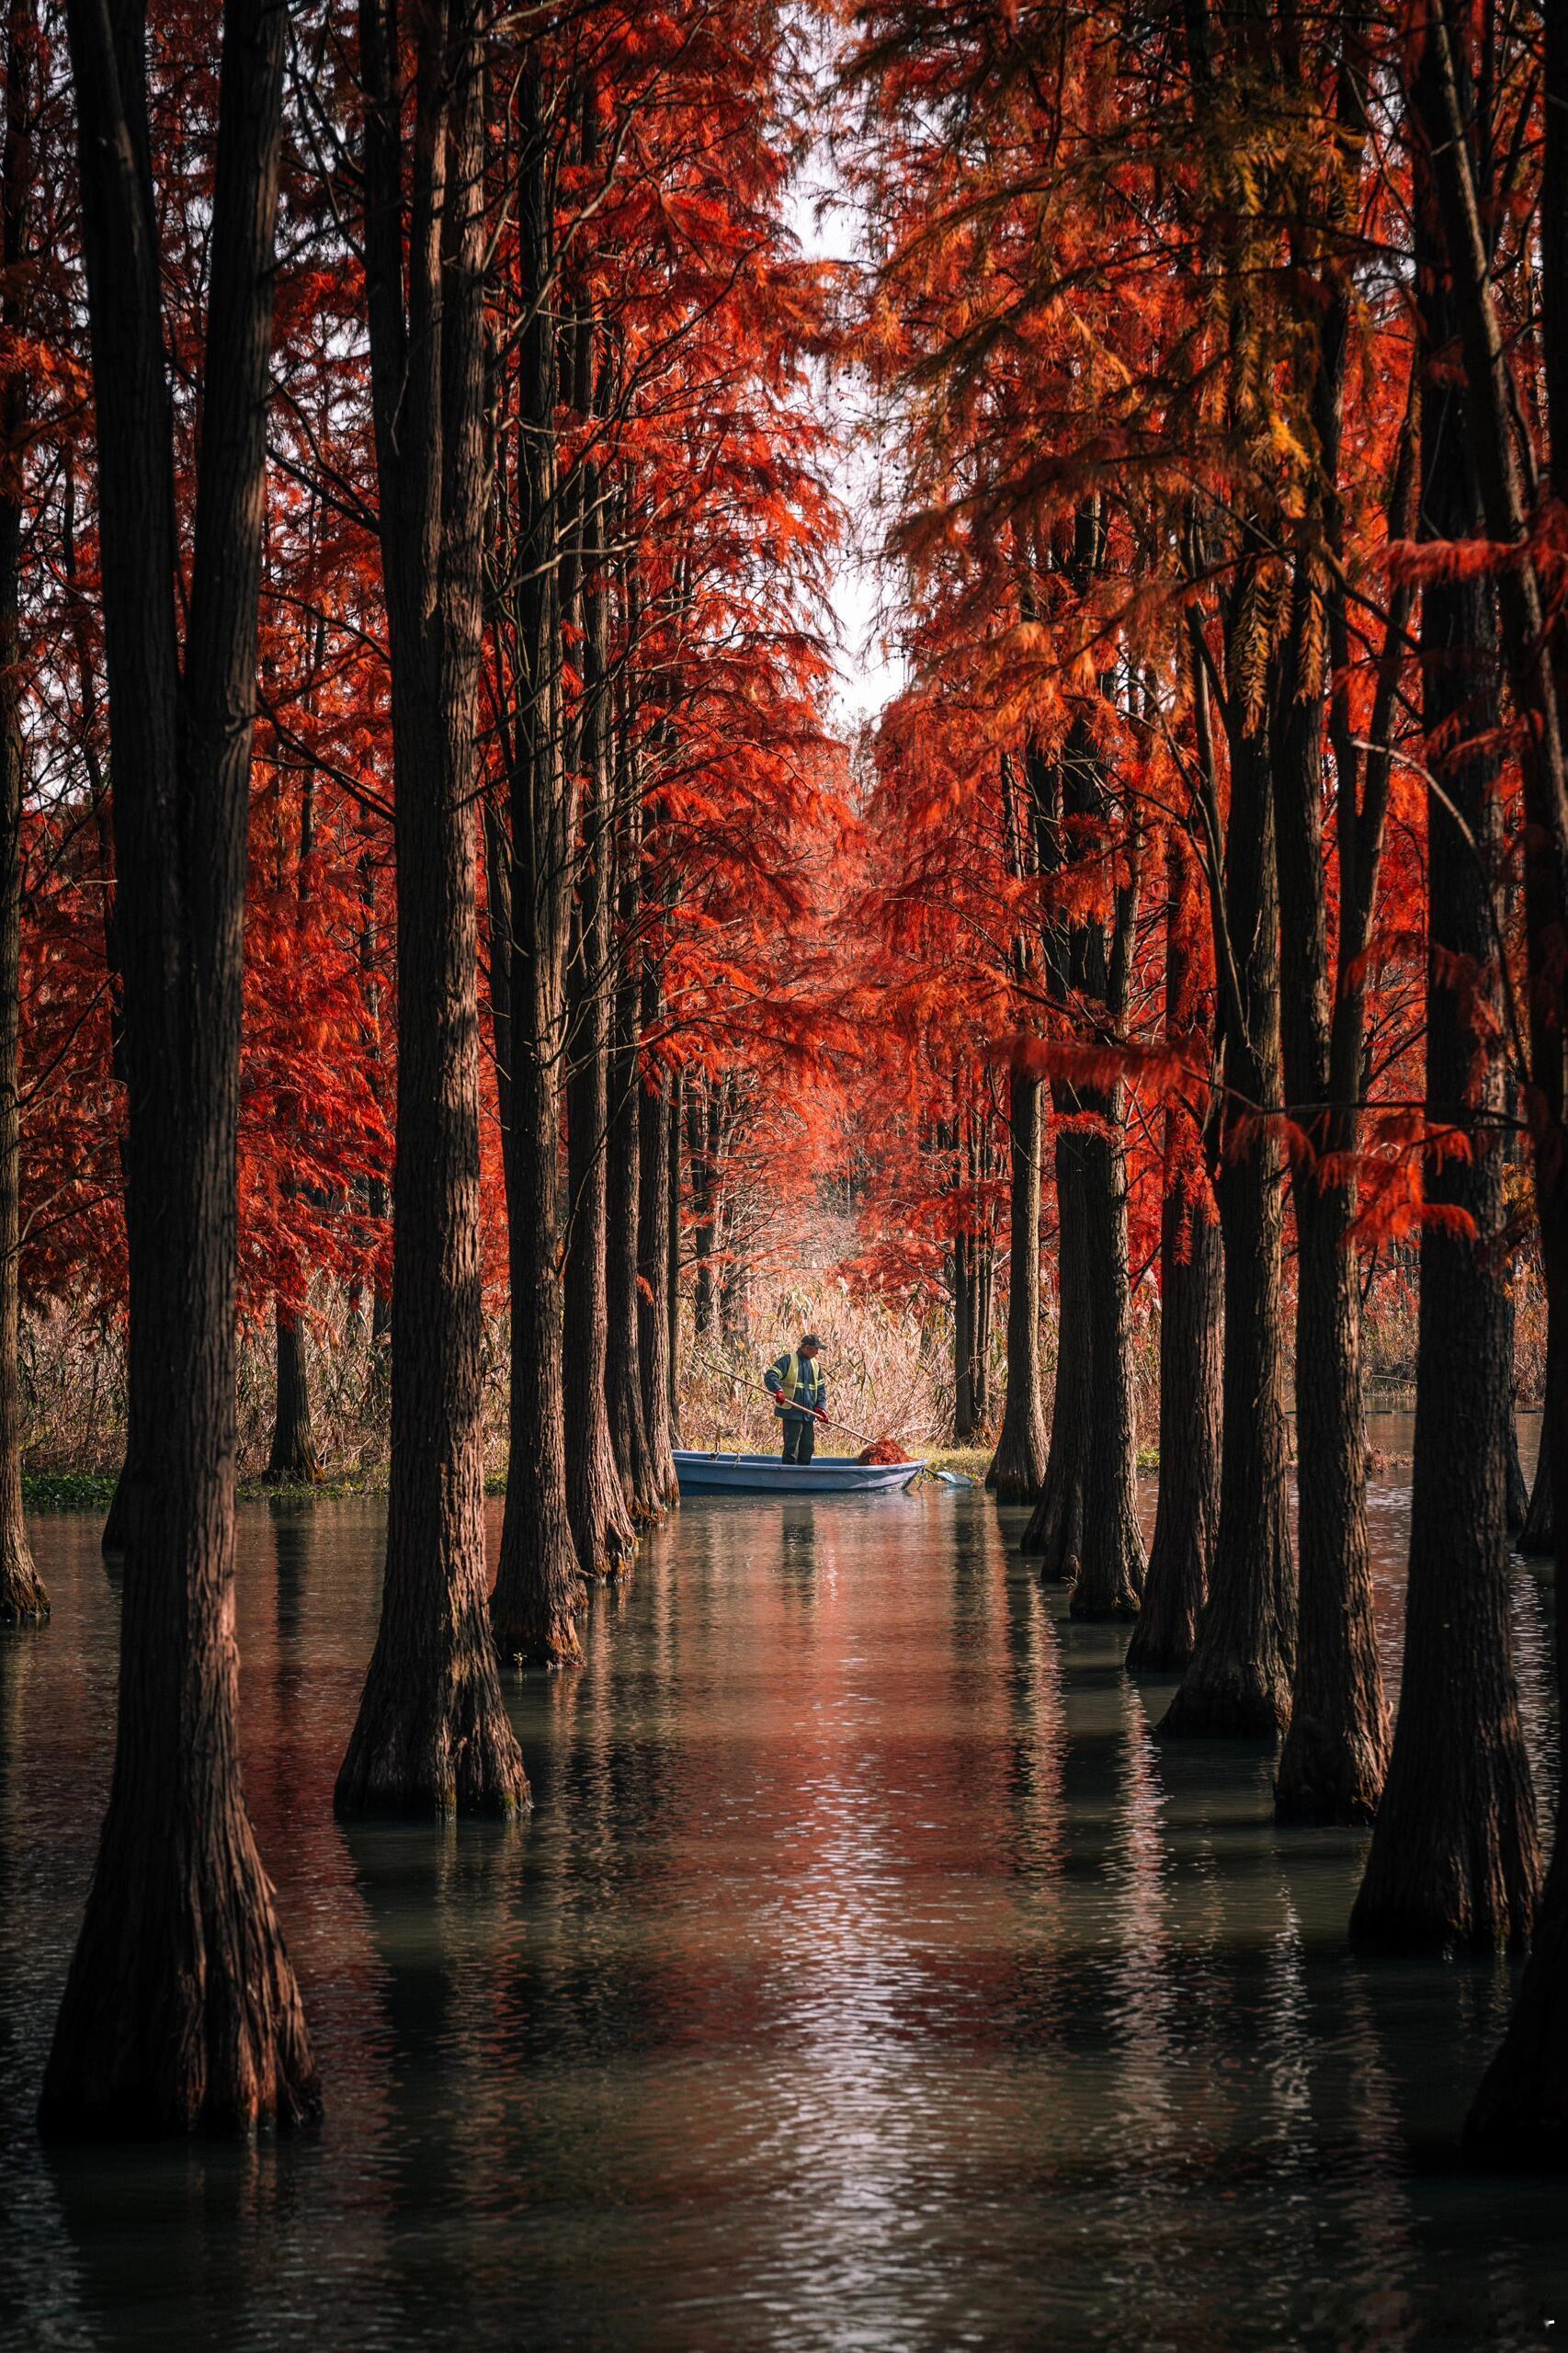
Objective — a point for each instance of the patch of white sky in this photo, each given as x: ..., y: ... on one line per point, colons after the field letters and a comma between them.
x: 871, y: 673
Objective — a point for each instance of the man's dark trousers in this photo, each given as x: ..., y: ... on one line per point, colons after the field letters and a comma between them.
x: 800, y: 1437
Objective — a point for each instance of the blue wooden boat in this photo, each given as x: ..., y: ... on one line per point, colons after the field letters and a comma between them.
x: 767, y: 1474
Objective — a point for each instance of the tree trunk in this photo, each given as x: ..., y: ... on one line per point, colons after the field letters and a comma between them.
x: 432, y: 1736
x: 654, y: 1111
x: 1056, y: 1529
x: 1086, y: 1524
x: 1536, y: 1539
x: 964, y: 1421
x: 531, y: 846
x: 672, y: 1260
x: 1191, y: 1294
x: 1110, y: 1566
x: 985, y: 1288
x: 702, y: 1159
x: 181, y: 2009
x: 623, y: 1377
x: 293, y: 1460
x: 1019, y: 1465
x: 1237, y: 1682
x: 537, y: 1581
x: 1520, y: 2116
x: 1335, y: 1752
x: 114, y: 1530
x: 1516, y: 1488
x: 1454, y: 1858
x: 624, y: 1370
x: 601, y: 1522
x: 1111, y: 1571
x: 22, y: 1596
x: 377, y: 1204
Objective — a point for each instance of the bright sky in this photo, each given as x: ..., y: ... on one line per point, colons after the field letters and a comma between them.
x: 868, y: 677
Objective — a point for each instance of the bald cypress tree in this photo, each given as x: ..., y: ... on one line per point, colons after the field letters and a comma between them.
x: 432, y: 1734
x: 181, y: 2007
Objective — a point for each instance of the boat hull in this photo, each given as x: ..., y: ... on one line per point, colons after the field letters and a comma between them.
x: 766, y: 1475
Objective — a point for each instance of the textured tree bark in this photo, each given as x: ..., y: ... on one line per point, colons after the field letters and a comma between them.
x: 117, y: 1519
x: 22, y: 1596
x: 601, y: 1522
x: 1111, y: 1571
x: 114, y: 1528
x: 1454, y: 1858
x: 596, y: 1501
x: 1055, y: 1531
x: 1085, y: 1522
x: 984, y: 1293
x: 1537, y: 1539
x: 672, y: 1257
x: 432, y: 1736
x: 963, y: 1279
x: 1237, y: 1682
x: 1516, y: 1488
x: 654, y: 1111
x: 1336, y: 1750
x: 1019, y: 1465
x: 623, y: 1377
x: 537, y: 1583
x: 1110, y: 1564
x: 1518, y: 2121
x: 703, y: 1140
x: 377, y: 1204
x: 1520, y: 2115
x: 180, y: 2009
x: 293, y: 1460
x: 1191, y: 1328
x: 1191, y: 1296
x: 23, y: 1599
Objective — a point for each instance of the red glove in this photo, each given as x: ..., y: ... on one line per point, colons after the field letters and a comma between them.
x: 819, y: 1412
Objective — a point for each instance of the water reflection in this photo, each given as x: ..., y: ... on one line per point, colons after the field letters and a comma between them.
x: 866, y: 1975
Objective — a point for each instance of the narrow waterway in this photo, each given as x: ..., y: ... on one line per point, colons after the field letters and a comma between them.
x: 868, y: 1975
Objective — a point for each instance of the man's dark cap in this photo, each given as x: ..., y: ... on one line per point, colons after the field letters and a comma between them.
x: 810, y: 1340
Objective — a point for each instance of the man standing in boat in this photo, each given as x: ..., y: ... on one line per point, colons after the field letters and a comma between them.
x: 797, y: 1387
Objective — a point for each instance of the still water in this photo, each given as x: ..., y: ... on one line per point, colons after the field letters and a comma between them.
x: 865, y: 1976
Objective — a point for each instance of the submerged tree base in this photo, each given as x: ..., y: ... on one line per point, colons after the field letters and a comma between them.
x: 23, y: 1599
x: 1118, y: 1606
x: 1228, y: 1699
x: 454, y: 1753
x: 609, y: 1561
x: 534, y: 1638
x: 1164, y: 1638
x: 1441, y: 1908
x: 1519, y: 2121
x: 181, y: 2012
x: 1328, y: 1774
x: 1455, y: 1860
x: 1055, y: 1532
x: 1008, y: 1489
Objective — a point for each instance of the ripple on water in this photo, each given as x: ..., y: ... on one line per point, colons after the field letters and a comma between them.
x: 867, y: 1976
